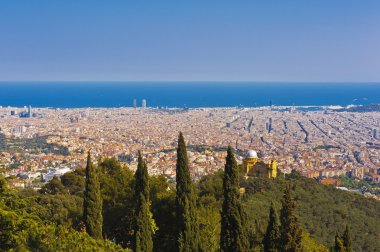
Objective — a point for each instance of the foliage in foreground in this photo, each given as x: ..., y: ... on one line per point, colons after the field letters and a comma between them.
x: 321, y: 210
x: 92, y: 202
x: 23, y: 229
x: 143, y: 225
x: 234, y: 226
x: 186, y: 211
x: 29, y: 219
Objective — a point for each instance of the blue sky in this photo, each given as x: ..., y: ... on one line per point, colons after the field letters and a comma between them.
x: 251, y: 40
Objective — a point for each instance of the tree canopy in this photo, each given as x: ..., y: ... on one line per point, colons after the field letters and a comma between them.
x: 52, y: 219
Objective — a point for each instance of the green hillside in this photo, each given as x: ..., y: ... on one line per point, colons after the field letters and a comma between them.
x: 322, y: 210
x: 33, y: 222
x: 31, y: 219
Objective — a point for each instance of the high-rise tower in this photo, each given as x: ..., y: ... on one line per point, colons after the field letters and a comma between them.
x: 30, y: 111
x: 143, y: 103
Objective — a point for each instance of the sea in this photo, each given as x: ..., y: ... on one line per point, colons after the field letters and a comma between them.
x: 186, y: 94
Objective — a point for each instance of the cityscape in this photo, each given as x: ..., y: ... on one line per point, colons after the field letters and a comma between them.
x: 323, y: 144
x: 190, y: 126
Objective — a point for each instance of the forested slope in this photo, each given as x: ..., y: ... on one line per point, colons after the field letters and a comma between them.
x: 322, y: 210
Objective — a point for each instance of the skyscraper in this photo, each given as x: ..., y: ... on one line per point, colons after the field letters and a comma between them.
x: 143, y: 104
x: 30, y: 111
x: 269, y: 127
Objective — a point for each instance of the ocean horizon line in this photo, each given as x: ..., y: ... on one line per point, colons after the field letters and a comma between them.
x: 186, y: 81
x: 185, y: 94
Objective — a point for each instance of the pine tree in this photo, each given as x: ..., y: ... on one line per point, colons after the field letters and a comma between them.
x: 347, y: 239
x: 92, y: 202
x: 234, y: 231
x: 338, y: 246
x: 272, y: 234
x: 143, y: 226
x: 188, y: 230
x: 291, y: 233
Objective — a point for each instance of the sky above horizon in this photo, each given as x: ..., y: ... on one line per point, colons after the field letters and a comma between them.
x: 91, y: 40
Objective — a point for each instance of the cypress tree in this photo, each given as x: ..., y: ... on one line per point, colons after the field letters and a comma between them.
x: 291, y: 233
x: 347, y: 239
x: 234, y: 232
x: 338, y: 246
x: 92, y: 202
x: 143, y: 226
x: 188, y: 230
x: 272, y: 235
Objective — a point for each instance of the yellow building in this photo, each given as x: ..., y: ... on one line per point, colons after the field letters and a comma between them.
x: 255, y: 167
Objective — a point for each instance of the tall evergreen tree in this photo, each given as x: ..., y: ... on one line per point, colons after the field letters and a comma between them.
x: 291, y: 233
x: 143, y: 227
x: 338, y: 246
x: 92, y: 202
x: 188, y: 230
x: 347, y: 239
x: 272, y: 235
x: 234, y: 231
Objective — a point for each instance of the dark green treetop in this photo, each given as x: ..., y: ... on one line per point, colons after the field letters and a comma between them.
x: 234, y: 231
x: 92, y: 202
x: 141, y: 178
x: 338, y: 246
x: 186, y: 212
x: 347, y: 239
x: 291, y: 233
x: 272, y: 234
x: 53, y: 187
x: 143, y: 227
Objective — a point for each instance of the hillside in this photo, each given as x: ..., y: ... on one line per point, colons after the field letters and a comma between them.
x: 322, y: 210
x: 28, y: 216
x: 32, y: 222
